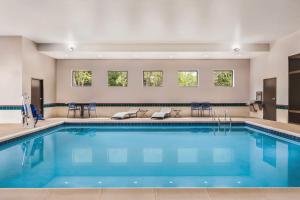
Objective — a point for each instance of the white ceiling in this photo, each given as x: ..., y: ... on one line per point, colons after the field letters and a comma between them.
x: 150, y: 21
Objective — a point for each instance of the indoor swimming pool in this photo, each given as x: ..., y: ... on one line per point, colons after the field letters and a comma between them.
x: 150, y: 155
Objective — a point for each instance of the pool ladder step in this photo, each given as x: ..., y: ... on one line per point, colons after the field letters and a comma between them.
x: 227, y: 120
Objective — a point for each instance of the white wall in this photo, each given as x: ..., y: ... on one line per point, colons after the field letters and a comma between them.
x: 11, y: 77
x: 137, y: 93
x: 39, y: 66
x: 275, y: 64
x: 19, y: 62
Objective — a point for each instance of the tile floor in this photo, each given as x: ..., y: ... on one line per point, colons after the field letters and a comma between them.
x: 150, y: 194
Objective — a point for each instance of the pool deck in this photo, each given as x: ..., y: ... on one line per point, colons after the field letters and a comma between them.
x: 8, y: 131
x: 149, y: 194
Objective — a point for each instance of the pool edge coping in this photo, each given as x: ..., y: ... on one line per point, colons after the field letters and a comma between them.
x: 29, y: 131
x: 54, y: 124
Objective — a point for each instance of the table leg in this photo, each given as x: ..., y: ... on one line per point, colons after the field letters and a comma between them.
x: 81, y: 111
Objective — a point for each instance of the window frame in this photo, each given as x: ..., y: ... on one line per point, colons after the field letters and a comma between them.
x: 197, y: 71
x: 162, y: 78
x: 224, y: 70
x: 117, y: 71
x: 80, y: 70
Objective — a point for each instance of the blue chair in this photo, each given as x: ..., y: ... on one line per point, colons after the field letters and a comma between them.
x: 36, y: 116
x: 72, y: 107
x: 92, y: 107
x: 206, y: 106
x: 195, y: 106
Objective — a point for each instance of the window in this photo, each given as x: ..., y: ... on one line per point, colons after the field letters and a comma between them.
x: 153, y: 78
x: 223, y: 78
x: 117, y: 78
x: 81, y: 78
x: 188, y: 78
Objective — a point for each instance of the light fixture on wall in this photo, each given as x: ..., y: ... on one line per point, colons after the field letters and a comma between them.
x: 236, y: 48
x: 71, y: 47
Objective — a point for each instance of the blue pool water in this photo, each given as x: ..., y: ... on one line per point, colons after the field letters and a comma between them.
x: 126, y: 156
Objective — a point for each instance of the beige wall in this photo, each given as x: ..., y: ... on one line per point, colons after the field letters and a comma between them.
x: 19, y: 62
x: 275, y: 64
x: 11, y: 77
x: 39, y: 66
x: 136, y: 93
x: 11, y: 70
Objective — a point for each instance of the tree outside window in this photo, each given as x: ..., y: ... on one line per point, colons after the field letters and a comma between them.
x: 117, y: 78
x: 81, y: 78
x: 188, y: 78
x: 223, y: 78
x: 153, y: 78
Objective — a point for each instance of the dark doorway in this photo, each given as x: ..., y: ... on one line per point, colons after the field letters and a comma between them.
x: 270, y: 99
x: 37, y: 95
x: 294, y: 86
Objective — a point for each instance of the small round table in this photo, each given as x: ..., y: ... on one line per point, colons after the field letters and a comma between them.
x: 143, y: 112
x: 177, y: 112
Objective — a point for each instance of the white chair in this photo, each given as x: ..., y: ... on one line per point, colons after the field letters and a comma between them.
x: 124, y: 115
x: 162, y: 114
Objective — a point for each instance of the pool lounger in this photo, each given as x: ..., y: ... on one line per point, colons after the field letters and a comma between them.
x: 125, y: 115
x: 162, y: 114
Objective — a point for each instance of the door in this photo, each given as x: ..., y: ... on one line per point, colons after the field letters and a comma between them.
x: 294, y: 88
x: 269, y: 99
x: 37, y: 95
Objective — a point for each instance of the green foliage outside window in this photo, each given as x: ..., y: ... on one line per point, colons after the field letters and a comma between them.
x: 188, y: 78
x: 153, y: 78
x: 82, y: 78
x: 223, y: 78
x: 117, y: 78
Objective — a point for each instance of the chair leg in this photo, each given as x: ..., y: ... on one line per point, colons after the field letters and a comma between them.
x: 68, y: 113
x: 74, y: 113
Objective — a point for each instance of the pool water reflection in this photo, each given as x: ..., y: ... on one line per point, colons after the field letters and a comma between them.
x: 150, y: 156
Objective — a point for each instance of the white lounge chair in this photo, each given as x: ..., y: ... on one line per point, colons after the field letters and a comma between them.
x: 163, y: 113
x: 124, y: 115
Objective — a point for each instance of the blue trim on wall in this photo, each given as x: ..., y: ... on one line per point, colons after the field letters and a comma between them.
x: 158, y: 104
x: 282, y: 107
x: 51, y: 105
x: 10, y: 107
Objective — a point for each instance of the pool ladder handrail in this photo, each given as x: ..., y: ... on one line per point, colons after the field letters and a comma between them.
x: 229, y: 118
x: 214, y: 116
x: 226, y: 116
